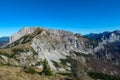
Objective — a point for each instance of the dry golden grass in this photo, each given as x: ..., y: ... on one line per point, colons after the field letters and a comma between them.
x: 20, y: 46
x: 26, y: 45
x: 16, y: 73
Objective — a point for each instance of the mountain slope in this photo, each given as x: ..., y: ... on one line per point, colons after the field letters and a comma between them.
x: 64, y: 51
x: 109, y: 46
x: 49, y: 44
x: 108, y: 50
x: 4, y: 41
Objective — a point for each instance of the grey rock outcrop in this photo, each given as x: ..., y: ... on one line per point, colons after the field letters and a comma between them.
x: 21, y: 33
x: 54, y: 45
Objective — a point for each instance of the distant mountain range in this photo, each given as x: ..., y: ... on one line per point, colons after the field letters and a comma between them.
x: 111, y: 36
x: 4, y: 41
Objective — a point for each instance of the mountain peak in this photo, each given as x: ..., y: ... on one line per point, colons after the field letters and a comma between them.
x: 24, y: 31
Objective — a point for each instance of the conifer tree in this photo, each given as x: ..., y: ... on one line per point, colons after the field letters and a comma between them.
x: 46, y: 68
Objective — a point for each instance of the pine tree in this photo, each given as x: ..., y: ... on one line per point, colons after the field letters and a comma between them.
x: 46, y: 68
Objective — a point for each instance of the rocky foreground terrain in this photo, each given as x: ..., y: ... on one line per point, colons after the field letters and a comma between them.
x: 34, y: 53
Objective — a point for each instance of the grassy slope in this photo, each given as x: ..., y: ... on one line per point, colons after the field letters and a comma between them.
x: 17, y: 73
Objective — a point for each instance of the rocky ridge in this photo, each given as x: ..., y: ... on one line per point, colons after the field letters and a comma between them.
x: 108, y: 48
x: 61, y: 48
x: 53, y: 45
x: 21, y: 33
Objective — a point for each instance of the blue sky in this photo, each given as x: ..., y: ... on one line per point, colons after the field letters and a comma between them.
x: 78, y: 16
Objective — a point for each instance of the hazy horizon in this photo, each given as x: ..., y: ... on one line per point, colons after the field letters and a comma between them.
x: 78, y: 16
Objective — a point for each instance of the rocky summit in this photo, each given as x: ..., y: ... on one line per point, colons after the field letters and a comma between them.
x: 72, y: 55
x: 21, y: 33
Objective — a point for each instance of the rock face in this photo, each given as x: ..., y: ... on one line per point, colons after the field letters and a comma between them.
x: 21, y: 33
x: 108, y: 46
x: 105, y: 37
x: 53, y: 45
x: 57, y: 44
x: 60, y: 41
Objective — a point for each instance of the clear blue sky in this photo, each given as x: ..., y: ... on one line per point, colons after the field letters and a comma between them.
x: 78, y: 16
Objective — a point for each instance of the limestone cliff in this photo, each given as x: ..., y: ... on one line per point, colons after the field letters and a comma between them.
x: 57, y: 44
x: 49, y: 44
x: 21, y: 33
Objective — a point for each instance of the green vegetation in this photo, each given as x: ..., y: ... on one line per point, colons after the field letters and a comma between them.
x: 7, y: 55
x: 65, y: 74
x: 31, y: 70
x: 56, y: 64
x: 67, y: 60
x: 82, y: 54
x: 17, y: 50
x: 103, y: 76
x: 25, y: 39
x: 46, y: 68
x: 34, y: 52
x: 16, y: 43
x: 28, y: 38
x: 2, y: 64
